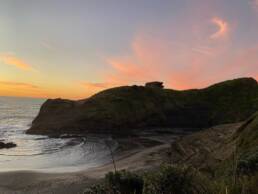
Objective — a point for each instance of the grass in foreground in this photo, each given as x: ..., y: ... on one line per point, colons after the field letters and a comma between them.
x: 173, y: 180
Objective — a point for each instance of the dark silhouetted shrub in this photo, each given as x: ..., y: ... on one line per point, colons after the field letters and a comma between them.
x: 175, y: 180
x: 123, y: 182
x: 248, y: 164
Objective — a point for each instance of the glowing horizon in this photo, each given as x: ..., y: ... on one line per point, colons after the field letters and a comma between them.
x: 76, y: 48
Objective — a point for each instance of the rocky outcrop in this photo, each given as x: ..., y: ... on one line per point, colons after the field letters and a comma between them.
x: 130, y: 108
x: 7, y: 145
x: 158, y: 85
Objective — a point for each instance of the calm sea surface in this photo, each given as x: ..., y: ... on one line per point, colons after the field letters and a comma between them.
x: 36, y: 152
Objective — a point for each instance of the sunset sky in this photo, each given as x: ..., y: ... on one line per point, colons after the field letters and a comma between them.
x: 74, y: 48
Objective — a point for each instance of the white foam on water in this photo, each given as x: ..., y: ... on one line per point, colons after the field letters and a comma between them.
x: 37, y: 152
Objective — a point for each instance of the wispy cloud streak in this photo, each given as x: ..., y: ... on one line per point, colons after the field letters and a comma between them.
x: 11, y: 59
x: 18, y: 84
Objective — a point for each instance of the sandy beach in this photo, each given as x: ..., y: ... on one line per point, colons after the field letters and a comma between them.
x: 145, y: 155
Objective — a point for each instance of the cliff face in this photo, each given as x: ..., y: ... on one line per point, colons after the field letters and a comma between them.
x: 128, y: 108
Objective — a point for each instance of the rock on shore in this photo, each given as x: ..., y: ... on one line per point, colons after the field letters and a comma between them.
x: 7, y: 145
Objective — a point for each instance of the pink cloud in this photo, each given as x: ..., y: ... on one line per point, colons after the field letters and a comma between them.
x: 162, y: 58
x: 223, y: 28
x: 245, y: 62
x: 181, y: 58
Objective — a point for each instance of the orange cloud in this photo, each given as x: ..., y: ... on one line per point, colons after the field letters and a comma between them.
x: 10, y: 59
x: 95, y: 87
x: 92, y: 88
x: 127, y: 69
x: 223, y: 28
x: 22, y: 89
x: 18, y: 85
x: 13, y: 88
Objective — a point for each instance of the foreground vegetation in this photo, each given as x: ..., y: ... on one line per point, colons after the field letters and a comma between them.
x: 174, y: 180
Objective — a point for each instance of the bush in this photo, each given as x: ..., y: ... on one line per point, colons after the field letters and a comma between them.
x: 250, y: 185
x: 248, y: 164
x: 175, y: 180
x: 243, y: 185
x: 120, y: 182
x: 123, y: 182
x: 95, y: 189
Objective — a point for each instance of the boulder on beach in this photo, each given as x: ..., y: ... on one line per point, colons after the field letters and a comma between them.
x: 7, y: 145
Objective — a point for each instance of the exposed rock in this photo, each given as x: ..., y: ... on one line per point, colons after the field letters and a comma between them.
x: 7, y: 145
x: 130, y: 108
x: 158, y: 85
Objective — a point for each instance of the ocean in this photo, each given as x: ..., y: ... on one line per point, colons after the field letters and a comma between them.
x: 41, y: 153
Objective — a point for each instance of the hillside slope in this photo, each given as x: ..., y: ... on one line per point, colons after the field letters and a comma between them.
x: 128, y: 108
x: 247, y: 146
x: 248, y: 134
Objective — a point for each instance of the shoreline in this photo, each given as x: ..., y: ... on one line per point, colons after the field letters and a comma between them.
x: 140, y: 154
x: 129, y: 156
